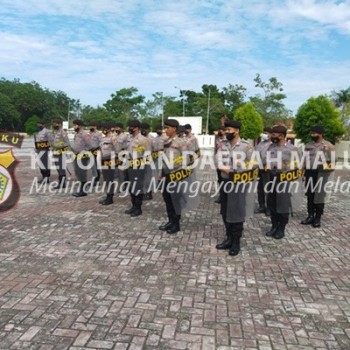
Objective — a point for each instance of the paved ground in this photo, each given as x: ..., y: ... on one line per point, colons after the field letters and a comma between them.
x: 76, y: 275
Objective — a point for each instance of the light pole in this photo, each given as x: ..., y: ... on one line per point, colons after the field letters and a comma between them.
x: 183, y: 101
x: 162, y: 110
x: 208, y: 111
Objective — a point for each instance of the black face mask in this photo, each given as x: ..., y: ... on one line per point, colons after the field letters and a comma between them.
x: 40, y: 127
x: 230, y: 136
x: 56, y: 127
x: 105, y: 132
x: 76, y: 129
x: 144, y: 132
x: 131, y: 130
x: 315, y: 138
x: 159, y: 133
x: 117, y: 131
x: 92, y: 129
x: 220, y: 133
x: 274, y: 139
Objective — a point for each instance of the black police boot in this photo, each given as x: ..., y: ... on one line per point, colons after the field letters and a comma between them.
x: 261, y: 210
x: 309, y: 220
x: 279, y: 234
x: 61, y: 183
x: 131, y: 210
x: 165, y: 226
x: 147, y: 196
x: 317, y: 221
x: 274, y: 227
x: 45, y: 179
x: 108, y: 200
x: 226, y: 244
x: 268, y: 212
x: 137, y: 212
x: 174, y: 227
x: 81, y: 192
x: 236, y: 245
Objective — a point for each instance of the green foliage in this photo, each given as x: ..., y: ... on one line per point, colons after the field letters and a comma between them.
x: 31, y: 125
x: 270, y: 106
x: 318, y: 111
x: 252, y: 122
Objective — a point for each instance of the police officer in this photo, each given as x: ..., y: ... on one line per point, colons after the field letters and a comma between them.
x: 261, y: 148
x: 60, y: 147
x: 234, y: 203
x: 149, y: 173
x: 173, y: 151
x: 139, y: 148
x: 283, y: 173
x: 218, y: 139
x: 110, y: 148
x: 316, y: 151
x: 81, y: 147
x: 95, y: 139
x: 43, y: 140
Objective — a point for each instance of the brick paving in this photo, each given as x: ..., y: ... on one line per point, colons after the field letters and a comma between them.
x: 77, y: 275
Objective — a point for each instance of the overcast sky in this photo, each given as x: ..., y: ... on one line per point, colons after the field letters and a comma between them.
x: 89, y: 49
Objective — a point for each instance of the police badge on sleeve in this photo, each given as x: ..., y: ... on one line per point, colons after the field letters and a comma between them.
x: 9, y: 189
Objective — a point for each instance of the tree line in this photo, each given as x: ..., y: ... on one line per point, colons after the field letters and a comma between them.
x: 22, y: 104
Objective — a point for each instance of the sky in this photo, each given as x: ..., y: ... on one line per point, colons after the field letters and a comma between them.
x: 90, y: 49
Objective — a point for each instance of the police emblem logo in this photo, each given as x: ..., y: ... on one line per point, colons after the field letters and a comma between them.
x: 9, y: 190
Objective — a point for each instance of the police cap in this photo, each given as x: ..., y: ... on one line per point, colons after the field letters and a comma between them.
x: 144, y: 126
x: 134, y: 123
x: 280, y: 129
x: 268, y: 129
x: 78, y: 122
x: 171, y: 122
x: 233, y: 124
x: 188, y: 126
x: 181, y: 128
x: 159, y: 127
x: 318, y: 129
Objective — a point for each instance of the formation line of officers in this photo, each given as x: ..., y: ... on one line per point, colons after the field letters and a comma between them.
x: 278, y: 197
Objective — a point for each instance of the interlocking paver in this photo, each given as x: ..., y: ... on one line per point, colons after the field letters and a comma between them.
x: 76, y: 275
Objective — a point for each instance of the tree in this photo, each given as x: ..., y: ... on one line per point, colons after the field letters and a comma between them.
x: 252, y: 122
x: 318, y: 111
x: 270, y: 106
x: 9, y: 116
x: 31, y: 125
x: 125, y: 104
x: 234, y: 96
x: 97, y: 115
x: 341, y: 100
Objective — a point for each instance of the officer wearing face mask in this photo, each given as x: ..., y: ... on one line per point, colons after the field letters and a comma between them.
x: 139, y: 149
x: 317, y: 151
x: 220, y: 137
x: 284, y: 187
x: 95, y: 138
x: 81, y: 146
x: 261, y: 148
x: 60, y: 147
x: 43, y: 140
x: 232, y: 157
x: 157, y: 149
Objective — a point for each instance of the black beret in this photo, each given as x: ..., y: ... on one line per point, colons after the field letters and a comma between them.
x: 280, y: 129
x: 181, y: 128
x: 134, y: 123
x: 171, y: 122
x: 119, y: 125
x: 317, y: 129
x: 107, y: 125
x: 78, y: 122
x: 268, y: 129
x: 42, y: 122
x: 221, y: 127
x: 159, y: 127
x: 57, y: 121
x: 233, y: 124
x: 144, y: 126
x: 188, y: 126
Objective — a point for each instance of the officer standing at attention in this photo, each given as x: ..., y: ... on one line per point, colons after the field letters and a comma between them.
x: 81, y: 147
x: 262, y: 147
x: 218, y: 139
x: 315, y: 150
x: 110, y: 148
x: 233, y: 202
x: 139, y: 148
x: 95, y: 139
x: 43, y: 140
x: 173, y: 150
x: 280, y: 200
x: 60, y: 146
